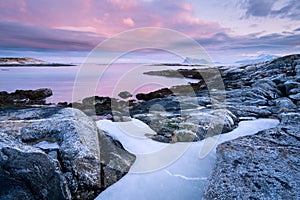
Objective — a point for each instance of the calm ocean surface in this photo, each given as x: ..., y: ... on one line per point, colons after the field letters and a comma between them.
x: 77, y: 82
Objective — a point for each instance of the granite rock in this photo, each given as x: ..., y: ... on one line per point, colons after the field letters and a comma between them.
x: 65, y: 144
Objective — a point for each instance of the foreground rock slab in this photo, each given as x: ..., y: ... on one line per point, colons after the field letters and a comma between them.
x: 261, y: 166
x: 55, y: 153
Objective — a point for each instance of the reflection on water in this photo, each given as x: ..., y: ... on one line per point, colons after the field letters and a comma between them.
x: 109, y: 82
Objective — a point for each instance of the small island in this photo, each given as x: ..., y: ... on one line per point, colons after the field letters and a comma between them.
x: 16, y: 62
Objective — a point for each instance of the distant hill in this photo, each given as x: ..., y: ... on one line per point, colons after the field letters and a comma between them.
x: 260, y: 58
x: 15, y: 61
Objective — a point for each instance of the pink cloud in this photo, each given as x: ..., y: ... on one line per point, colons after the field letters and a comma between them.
x: 129, y: 22
x: 108, y: 17
x: 124, y: 4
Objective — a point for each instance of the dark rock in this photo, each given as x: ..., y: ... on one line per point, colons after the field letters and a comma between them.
x: 25, y: 97
x: 186, y: 127
x: 67, y: 141
x: 291, y: 85
x: 159, y: 138
x: 286, y: 59
x: 295, y: 97
x: 284, y: 103
x: 63, y: 104
x: 279, y: 79
x: 157, y: 104
x: 103, y: 106
x: 13, y: 189
x: 125, y: 94
x: 267, y: 88
x: 115, y: 161
x: 291, y: 119
x: 154, y: 95
x: 249, y: 111
x: 29, y: 172
x: 180, y: 73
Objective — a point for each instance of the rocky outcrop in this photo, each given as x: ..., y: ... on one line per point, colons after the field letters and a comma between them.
x: 25, y: 97
x: 154, y: 95
x: 264, y: 165
x: 252, y: 91
x: 261, y: 166
x: 183, y: 119
x: 56, y: 153
x: 82, y: 161
x: 15, y: 61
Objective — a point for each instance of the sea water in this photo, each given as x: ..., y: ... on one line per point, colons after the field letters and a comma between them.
x: 109, y: 80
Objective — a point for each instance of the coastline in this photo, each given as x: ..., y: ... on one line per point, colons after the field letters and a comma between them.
x: 265, y: 90
x: 27, y: 62
x: 37, y: 65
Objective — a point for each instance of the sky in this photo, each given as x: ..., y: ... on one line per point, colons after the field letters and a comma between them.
x: 67, y: 30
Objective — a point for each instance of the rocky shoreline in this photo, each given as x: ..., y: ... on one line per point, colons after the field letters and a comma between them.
x: 264, y: 165
x: 260, y: 166
x: 28, y: 62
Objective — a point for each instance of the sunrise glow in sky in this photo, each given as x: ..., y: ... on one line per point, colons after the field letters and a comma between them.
x: 69, y: 29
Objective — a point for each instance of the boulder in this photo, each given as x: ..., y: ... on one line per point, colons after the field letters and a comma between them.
x: 285, y: 103
x: 125, y: 94
x: 295, y: 97
x: 291, y: 87
x: 29, y: 173
x: 64, y: 142
x: 115, y: 161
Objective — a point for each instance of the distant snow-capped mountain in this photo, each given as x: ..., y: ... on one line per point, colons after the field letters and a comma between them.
x: 260, y: 58
x: 194, y: 61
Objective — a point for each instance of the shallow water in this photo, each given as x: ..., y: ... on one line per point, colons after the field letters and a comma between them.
x: 182, y: 177
x: 83, y: 81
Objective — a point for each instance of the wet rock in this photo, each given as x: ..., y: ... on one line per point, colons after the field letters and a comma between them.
x: 25, y: 97
x: 103, y: 106
x: 156, y: 94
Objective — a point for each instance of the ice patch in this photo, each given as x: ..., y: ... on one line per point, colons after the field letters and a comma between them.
x: 182, y: 177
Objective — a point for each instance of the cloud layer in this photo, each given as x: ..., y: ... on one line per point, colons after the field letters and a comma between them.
x: 281, y: 8
x: 75, y: 25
